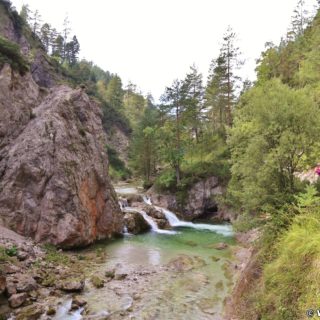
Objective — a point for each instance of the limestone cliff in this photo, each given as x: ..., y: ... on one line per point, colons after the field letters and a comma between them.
x: 53, y: 167
x: 200, y: 201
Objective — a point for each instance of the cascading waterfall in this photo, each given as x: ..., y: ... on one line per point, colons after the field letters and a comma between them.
x: 174, y: 221
x: 149, y: 220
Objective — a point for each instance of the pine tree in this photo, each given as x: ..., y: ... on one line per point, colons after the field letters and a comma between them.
x: 114, y: 93
x: 58, y: 47
x: 36, y: 22
x: 216, y: 93
x: 75, y: 49
x: 25, y: 13
x: 223, y: 81
x: 45, y: 33
x: 231, y: 54
x: 173, y: 99
x: 65, y: 34
x: 52, y: 40
x: 300, y: 19
x: 193, y: 92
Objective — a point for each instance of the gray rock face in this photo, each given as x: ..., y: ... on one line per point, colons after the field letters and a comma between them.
x: 201, y: 197
x: 54, y: 184
x: 42, y: 71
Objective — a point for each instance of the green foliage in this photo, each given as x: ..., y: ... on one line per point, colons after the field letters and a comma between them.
x: 308, y: 199
x: 55, y: 256
x: 3, y: 255
x: 166, y: 181
x: 273, y: 137
x: 144, y: 146
x: 118, y: 170
x: 10, y: 53
x: 291, y: 278
x: 12, y: 251
x: 246, y: 222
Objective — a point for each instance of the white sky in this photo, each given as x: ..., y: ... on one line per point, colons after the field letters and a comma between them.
x: 152, y: 42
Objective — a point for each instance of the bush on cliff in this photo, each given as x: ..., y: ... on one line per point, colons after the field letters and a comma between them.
x: 10, y: 53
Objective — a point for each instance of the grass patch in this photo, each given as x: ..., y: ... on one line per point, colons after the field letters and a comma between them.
x: 291, y: 279
x: 10, y: 53
x: 55, y: 256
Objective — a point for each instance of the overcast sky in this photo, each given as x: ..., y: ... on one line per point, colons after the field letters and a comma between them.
x: 152, y: 42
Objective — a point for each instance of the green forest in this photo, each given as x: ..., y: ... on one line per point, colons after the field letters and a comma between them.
x: 256, y: 137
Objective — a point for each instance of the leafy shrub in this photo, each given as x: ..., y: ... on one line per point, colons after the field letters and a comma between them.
x: 166, y: 181
x: 118, y: 169
x: 291, y: 279
x: 10, y: 53
x: 12, y: 251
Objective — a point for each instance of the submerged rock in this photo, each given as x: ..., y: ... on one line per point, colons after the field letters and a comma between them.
x: 220, y: 246
x: 186, y: 263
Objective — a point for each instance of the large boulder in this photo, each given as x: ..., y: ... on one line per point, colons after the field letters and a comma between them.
x: 53, y: 166
x: 201, y: 197
x: 135, y: 223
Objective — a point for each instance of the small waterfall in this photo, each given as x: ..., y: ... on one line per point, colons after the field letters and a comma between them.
x: 150, y: 221
x: 147, y: 200
x: 174, y: 221
x: 125, y: 231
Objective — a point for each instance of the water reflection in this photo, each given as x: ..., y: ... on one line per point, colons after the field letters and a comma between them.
x: 154, y: 257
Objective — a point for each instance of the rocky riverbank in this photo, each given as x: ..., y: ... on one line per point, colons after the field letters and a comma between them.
x: 34, y: 278
x: 245, y: 271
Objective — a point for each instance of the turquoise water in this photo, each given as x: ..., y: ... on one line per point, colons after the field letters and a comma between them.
x: 186, y: 278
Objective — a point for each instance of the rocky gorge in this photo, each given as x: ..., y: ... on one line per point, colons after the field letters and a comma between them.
x: 56, y: 194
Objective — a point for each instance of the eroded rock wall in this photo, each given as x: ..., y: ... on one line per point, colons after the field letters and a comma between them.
x: 54, y: 184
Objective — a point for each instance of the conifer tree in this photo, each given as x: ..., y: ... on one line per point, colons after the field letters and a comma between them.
x: 223, y: 81
x: 45, y: 33
x: 193, y: 91
x: 173, y: 99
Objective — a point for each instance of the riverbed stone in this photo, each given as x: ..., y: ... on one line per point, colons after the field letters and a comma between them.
x: 97, y: 282
x: 110, y: 273
x: 120, y: 275
x: 16, y: 300
x: 26, y: 283
x: 11, y: 268
x: 71, y: 285
x: 51, y: 311
x: 32, y: 312
x: 220, y: 246
x: 79, y: 301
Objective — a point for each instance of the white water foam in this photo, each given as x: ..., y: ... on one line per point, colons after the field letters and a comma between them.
x: 149, y: 220
x: 174, y: 221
